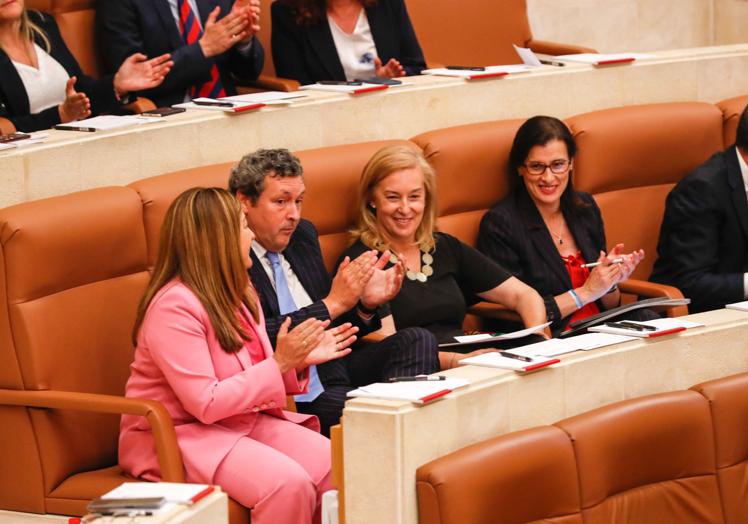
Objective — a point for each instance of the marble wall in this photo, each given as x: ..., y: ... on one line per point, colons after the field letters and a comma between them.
x: 640, y: 25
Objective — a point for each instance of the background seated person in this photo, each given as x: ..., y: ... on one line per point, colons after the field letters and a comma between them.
x: 397, y: 213
x: 290, y: 276
x: 42, y: 85
x: 202, y: 351
x: 211, y: 42
x: 343, y: 40
x: 544, y: 231
x: 703, y: 246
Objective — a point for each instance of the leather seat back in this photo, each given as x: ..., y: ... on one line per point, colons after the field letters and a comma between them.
x: 731, y: 109
x: 77, y: 20
x: 630, y: 157
x: 471, y: 172
x: 73, y: 271
x: 728, y: 399
x: 480, y: 35
x: 527, y: 476
x: 647, y: 460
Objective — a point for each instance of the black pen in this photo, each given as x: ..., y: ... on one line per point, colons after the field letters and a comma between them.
x: 553, y: 63
x: 515, y: 356
x: 418, y: 378
x: 465, y: 68
x: 212, y: 104
x: 628, y: 325
x: 636, y: 325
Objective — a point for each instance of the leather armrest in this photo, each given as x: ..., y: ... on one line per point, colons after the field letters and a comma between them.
x: 554, y: 48
x: 140, y: 105
x: 268, y: 83
x: 167, y: 450
x: 6, y: 127
x: 652, y: 289
x: 491, y: 310
x: 338, y: 480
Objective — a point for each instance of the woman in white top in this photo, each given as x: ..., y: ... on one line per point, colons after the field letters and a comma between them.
x: 343, y: 40
x: 41, y: 83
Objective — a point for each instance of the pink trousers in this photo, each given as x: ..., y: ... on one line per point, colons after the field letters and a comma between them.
x: 280, y: 471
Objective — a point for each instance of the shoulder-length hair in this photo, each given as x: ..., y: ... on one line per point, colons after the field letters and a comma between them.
x: 538, y: 131
x: 385, y: 162
x: 311, y: 12
x: 200, y: 246
x: 30, y: 31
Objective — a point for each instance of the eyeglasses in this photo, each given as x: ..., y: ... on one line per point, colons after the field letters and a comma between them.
x: 557, y: 166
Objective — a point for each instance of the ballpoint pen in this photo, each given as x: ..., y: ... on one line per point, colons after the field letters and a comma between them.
x: 595, y: 264
x: 212, y: 103
x: 515, y: 356
x: 418, y: 378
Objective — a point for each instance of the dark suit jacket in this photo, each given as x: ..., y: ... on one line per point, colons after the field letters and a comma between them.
x: 308, y: 54
x: 703, y: 246
x: 513, y: 233
x: 148, y: 26
x: 14, y: 103
x: 305, y: 256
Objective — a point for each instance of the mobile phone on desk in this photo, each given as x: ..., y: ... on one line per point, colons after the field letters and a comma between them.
x: 466, y: 68
x: 163, y: 111
x: 380, y: 80
x: 340, y: 82
x: 13, y: 137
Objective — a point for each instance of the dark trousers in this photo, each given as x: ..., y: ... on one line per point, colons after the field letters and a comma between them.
x: 411, y: 351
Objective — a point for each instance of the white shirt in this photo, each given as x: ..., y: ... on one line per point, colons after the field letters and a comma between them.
x: 744, y: 172
x: 45, y: 87
x: 356, y: 51
x: 299, y: 294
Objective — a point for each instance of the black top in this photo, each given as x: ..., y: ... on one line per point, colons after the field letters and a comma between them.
x: 148, y: 26
x: 14, y: 102
x: 703, y: 246
x: 440, y: 303
x: 308, y: 54
x: 514, y: 235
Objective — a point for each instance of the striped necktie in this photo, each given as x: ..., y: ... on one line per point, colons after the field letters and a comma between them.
x: 286, y: 304
x: 191, y: 33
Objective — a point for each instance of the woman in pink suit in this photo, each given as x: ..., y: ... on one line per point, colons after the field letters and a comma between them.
x: 203, y: 352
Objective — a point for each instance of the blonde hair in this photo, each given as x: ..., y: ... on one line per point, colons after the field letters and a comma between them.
x: 385, y: 162
x: 200, y: 245
x: 30, y: 30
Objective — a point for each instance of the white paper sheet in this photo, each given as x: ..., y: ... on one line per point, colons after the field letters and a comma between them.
x: 409, y: 391
x: 596, y: 58
x: 461, y: 73
x: 527, y: 56
x: 504, y: 336
x: 171, y: 491
x: 740, y: 306
x: 495, y: 360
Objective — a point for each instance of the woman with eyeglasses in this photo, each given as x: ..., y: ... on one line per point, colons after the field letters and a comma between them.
x: 544, y: 231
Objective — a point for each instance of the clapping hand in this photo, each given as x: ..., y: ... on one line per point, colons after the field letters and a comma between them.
x: 138, y: 73
x: 251, y: 10
x: 220, y: 36
x: 384, y: 284
x: 391, y: 69
x: 335, y: 344
x: 628, y: 262
x: 76, y: 105
x: 349, y: 283
x: 293, y: 347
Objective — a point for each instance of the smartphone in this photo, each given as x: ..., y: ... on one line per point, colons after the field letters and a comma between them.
x: 466, y: 68
x: 163, y: 111
x: 103, y: 505
x: 13, y: 137
x: 380, y: 80
x: 339, y: 83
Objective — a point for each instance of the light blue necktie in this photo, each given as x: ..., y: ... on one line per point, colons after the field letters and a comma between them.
x: 286, y: 304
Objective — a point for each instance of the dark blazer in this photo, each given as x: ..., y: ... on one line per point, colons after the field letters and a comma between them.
x: 513, y: 233
x: 148, y: 26
x: 305, y: 256
x: 308, y: 54
x: 14, y: 103
x: 703, y: 246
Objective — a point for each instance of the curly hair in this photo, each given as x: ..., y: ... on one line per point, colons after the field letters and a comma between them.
x: 248, y: 176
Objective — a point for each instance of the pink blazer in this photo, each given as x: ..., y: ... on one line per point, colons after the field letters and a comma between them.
x: 213, y: 397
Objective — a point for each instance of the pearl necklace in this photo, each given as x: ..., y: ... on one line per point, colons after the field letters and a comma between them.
x: 426, y: 269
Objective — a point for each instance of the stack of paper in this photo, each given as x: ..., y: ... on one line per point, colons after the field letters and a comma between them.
x: 173, y: 492
x: 663, y: 326
x: 486, y: 72
x: 482, y: 338
x: 740, y: 306
x: 221, y: 104
x: 105, y: 123
x: 599, y: 59
x: 266, y: 97
x: 559, y: 346
x: 418, y: 392
x: 496, y: 360
x: 350, y: 89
